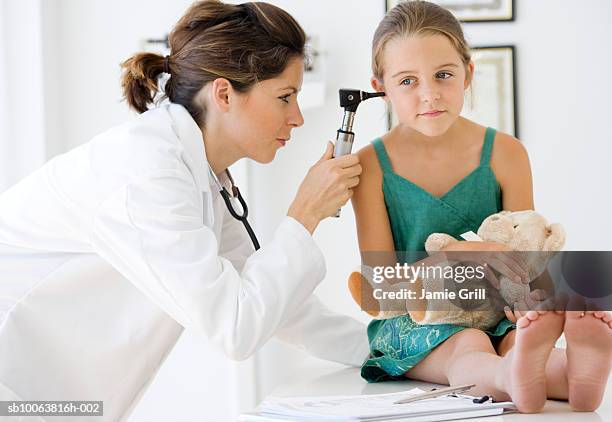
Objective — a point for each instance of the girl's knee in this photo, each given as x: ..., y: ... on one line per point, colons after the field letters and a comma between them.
x: 506, y: 343
x: 471, y: 340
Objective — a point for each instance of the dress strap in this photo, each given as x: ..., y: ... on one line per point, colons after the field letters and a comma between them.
x: 383, y: 157
x: 487, y: 146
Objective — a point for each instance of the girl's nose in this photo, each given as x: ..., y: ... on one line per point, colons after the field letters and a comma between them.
x: 429, y: 95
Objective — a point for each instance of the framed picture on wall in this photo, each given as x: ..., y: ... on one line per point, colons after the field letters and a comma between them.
x: 492, y: 98
x: 474, y: 10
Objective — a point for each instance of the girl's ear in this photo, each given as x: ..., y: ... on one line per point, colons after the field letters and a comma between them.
x: 378, y: 86
x: 469, y: 74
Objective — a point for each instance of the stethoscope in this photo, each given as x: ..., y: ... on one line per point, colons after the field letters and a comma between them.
x: 227, y: 198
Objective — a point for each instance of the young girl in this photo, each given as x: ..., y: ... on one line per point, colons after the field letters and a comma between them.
x: 439, y: 172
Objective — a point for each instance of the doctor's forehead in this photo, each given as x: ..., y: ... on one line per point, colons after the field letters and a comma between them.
x: 290, y: 79
x: 414, y: 54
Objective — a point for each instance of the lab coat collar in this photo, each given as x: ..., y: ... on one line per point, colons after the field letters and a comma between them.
x: 190, y: 135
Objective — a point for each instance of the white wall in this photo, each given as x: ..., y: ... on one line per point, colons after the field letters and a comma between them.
x: 564, y: 92
x: 4, y: 104
x: 22, y: 146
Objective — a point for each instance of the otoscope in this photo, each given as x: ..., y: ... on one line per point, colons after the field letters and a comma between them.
x: 349, y: 99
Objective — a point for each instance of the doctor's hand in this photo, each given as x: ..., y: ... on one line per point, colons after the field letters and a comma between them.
x: 328, y: 185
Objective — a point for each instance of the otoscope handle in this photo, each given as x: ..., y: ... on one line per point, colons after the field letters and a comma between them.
x: 343, y: 146
x: 349, y: 100
x: 344, y: 143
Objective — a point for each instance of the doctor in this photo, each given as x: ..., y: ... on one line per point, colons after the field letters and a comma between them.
x: 109, y: 251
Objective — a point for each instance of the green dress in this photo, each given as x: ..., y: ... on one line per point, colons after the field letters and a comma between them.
x: 398, y: 344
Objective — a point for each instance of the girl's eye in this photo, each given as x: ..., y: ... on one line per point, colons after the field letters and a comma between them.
x: 407, y: 82
x: 285, y: 98
x: 443, y: 75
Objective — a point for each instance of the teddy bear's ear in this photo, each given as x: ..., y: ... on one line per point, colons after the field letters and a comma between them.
x: 555, y: 239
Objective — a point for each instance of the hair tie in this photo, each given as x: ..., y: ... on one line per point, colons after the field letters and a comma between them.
x: 167, y: 64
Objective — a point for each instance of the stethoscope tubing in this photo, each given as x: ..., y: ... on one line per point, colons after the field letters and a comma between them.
x: 245, y: 212
x: 228, y: 203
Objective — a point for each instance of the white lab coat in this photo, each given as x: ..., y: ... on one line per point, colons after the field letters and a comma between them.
x: 109, y: 251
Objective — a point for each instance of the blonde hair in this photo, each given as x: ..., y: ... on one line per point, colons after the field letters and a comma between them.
x: 417, y: 18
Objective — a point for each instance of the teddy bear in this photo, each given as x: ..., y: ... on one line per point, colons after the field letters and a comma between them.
x: 519, y: 231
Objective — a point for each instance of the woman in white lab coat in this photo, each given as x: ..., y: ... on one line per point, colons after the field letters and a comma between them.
x: 109, y: 251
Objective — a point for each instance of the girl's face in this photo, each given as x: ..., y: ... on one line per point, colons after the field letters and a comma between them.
x: 425, y: 80
x: 264, y: 117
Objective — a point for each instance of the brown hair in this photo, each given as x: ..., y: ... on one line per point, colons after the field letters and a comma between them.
x: 417, y: 18
x: 243, y: 43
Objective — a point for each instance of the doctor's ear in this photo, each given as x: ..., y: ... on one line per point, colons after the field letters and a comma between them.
x: 378, y: 86
x: 219, y: 94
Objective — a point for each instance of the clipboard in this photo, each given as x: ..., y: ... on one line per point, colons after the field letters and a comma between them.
x: 376, y: 407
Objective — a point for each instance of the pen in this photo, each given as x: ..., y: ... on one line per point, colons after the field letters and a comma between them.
x: 436, y: 393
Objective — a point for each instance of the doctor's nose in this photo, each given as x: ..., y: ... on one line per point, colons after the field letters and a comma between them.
x: 295, y: 119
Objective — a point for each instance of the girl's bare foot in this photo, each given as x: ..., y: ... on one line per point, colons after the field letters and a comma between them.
x: 589, y: 357
x: 525, y: 375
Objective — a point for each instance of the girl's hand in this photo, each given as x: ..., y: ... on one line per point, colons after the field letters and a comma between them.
x: 327, y: 187
x: 493, y: 257
x: 506, y: 263
x: 537, y: 300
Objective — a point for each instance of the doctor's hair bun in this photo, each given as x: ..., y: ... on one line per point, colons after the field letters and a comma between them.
x: 244, y: 44
x: 139, y: 81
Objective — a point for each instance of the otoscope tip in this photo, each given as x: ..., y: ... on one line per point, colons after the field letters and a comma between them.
x: 367, y: 95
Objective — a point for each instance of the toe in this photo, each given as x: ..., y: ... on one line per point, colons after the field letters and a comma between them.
x: 524, y: 322
x: 532, y: 315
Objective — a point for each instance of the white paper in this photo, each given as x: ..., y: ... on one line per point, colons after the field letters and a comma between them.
x: 373, y: 407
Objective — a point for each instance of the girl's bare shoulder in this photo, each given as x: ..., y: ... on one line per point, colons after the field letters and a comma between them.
x: 369, y: 161
x: 506, y: 148
x: 370, y: 180
x: 508, y: 153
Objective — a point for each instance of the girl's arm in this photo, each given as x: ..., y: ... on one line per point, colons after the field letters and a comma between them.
x: 371, y: 218
x: 510, y: 163
x: 373, y: 231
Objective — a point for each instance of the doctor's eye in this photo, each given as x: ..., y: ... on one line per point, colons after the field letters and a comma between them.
x: 285, y: 98
x: 439, y: 75
x: 408, y: 81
